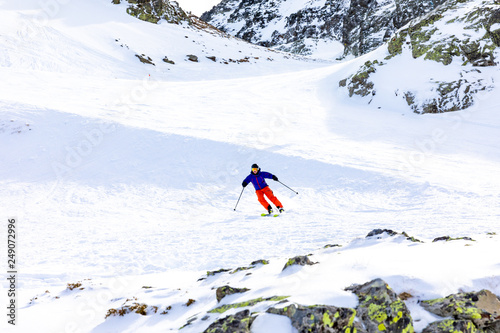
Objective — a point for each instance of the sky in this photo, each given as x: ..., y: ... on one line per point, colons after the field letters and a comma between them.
x: 197, y: 7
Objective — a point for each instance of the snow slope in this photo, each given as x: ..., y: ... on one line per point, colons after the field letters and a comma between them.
x: 119, y: 169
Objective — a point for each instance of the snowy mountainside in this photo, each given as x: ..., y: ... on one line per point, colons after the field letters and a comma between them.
x: 122, y: 48
x: 454, y: 54
x: 330, y: 29
x: 124, y: 176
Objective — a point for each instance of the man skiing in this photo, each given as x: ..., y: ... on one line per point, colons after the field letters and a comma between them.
x: 257, y: 178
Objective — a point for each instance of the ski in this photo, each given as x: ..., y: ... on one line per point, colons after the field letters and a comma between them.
x: 273, y: 215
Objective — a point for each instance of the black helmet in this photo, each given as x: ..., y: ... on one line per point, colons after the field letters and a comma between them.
x: 255, y: 166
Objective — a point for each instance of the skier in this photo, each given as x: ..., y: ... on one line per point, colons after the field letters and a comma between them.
x: 256, y: 177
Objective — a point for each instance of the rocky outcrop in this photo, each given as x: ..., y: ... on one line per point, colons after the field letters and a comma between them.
x: 380, y: 309
x: 155, y: 10
x: 224, y: 291
x: 454, y: 32
x: 470, y: 312
x: 448, y: 238
x: 359, y: 25
x: 300, y: 261
x: 145, y: 59
x: 192, y: 57
x: 427, y: 40
x: 359, y: 83
x: 320, y: 318
x: 378, y: 233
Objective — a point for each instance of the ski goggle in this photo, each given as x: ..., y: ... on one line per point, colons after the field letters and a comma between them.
x: 255, y: 169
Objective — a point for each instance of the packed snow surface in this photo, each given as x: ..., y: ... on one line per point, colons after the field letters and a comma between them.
x: 118, y: 170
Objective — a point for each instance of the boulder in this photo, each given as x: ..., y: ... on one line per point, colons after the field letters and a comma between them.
x: 380, y: 309
x: 451, y: 326
x: 145, y: 59
x: 481, y: 308
x: 299, y: 260
x: 376, y: 232
x: 237, y: 323
x: 168, y: 61
x: 227, y: 290
x: 448, y: 238
x: 192, y: 57
x: 379, y: 232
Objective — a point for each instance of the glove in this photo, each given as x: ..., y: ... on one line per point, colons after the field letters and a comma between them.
x: 275, y: 178
x: 244, y: 184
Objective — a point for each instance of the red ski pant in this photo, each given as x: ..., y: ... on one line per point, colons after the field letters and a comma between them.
x: 268, y: 193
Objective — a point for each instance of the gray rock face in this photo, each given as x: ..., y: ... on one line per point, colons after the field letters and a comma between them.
x: 359, y: 25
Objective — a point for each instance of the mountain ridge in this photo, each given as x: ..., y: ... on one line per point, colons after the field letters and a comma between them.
x: 359, y: 26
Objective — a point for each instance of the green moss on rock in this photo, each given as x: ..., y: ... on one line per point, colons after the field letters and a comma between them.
x: 299, y: 260
x: 320, y: 318
x: 395, y: 45
x: 380, y: 309
x: 227, y: 290
x: 451, y: 326
x: 358, y: 84
x: 239, y: 322
x: 155, y: 10
x: 481, y: 308
x: 224, y: 308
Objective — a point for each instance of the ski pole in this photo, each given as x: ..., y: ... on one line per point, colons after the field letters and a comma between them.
x: 288, y: 187
x: 239, y: 198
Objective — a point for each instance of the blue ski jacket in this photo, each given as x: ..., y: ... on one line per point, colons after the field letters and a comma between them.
x: 258, y: 180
